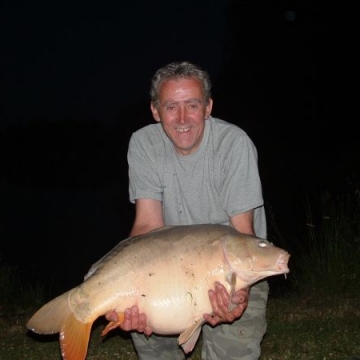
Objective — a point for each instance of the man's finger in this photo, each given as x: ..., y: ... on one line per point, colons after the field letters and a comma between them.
x: 126, y: 324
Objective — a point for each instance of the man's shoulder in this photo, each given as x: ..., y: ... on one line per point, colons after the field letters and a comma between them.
x: 226, y: 129
x: 149, y: 130
x: 151, y: 134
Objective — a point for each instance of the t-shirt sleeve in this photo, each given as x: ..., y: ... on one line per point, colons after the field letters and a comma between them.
x: 241, y: 190
x: 144, y: 180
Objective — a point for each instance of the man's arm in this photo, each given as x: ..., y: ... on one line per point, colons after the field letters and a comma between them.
x: 148, y: 216
x: 244, y: 222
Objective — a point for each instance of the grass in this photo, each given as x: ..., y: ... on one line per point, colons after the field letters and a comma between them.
x: 312, y: 328
x: 315, y: 314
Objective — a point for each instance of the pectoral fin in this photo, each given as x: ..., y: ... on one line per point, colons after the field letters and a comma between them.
x: 189, y: 337
x: 115, y: 320
x: 231, y: 279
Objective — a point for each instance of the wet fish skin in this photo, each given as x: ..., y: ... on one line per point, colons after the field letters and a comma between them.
x: 167, y: 273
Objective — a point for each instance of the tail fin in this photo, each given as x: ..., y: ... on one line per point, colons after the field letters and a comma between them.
x: 74, y: 339
x: 51, y: 318
x: 56, y: 317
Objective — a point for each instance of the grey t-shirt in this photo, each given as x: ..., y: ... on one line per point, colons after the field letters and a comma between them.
x: 216, y: 182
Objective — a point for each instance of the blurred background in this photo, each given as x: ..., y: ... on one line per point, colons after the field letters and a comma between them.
x: 75, y: 84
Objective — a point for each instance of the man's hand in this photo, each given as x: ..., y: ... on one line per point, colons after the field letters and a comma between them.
x: 133, y: 321
x: 220, y: 302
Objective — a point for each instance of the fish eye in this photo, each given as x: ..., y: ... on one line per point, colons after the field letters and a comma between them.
x: 263, y: 244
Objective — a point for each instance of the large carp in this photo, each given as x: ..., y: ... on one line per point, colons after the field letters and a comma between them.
x: 167, y: 273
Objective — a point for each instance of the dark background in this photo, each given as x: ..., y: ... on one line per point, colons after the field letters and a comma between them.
x: 75, y: 86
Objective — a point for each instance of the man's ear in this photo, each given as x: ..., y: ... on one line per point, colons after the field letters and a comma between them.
x: 208, y: 108
x: 155, y: 112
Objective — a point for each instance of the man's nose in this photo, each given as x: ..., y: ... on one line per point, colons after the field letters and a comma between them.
x: 182, y: 114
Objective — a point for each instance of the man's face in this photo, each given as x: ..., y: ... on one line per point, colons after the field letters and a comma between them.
x: 182, y: 112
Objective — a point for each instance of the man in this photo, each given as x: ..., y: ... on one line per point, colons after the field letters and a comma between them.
x: 192, y: 168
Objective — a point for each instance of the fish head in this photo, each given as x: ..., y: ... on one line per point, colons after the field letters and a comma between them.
x: 253, y: 258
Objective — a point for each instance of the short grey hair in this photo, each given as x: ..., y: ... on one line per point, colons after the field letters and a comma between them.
x: 179, y: 70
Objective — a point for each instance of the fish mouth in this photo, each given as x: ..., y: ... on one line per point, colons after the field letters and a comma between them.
x: 282, y: 262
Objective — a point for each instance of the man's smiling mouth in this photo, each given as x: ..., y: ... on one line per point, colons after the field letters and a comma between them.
x: 183, y: 130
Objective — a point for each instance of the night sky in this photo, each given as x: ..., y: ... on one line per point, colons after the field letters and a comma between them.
x: 75, y: 83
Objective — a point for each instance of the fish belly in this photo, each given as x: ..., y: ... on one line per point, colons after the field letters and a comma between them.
x: 174, y: 295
